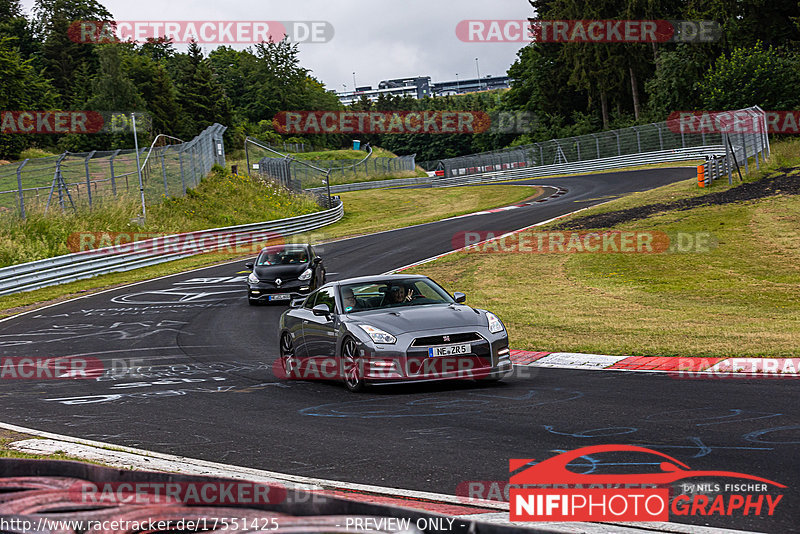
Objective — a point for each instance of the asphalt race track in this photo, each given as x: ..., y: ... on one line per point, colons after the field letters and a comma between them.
x: 205, y: 387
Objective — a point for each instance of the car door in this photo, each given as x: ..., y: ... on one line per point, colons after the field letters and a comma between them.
x: 319, y: 334
x: 300, y: 317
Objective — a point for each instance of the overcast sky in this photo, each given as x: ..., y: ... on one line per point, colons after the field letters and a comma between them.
x: 377, y: 40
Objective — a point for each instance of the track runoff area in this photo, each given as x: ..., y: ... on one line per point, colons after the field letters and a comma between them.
x: 186, y: 369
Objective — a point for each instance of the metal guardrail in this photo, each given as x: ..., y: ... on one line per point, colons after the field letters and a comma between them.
x: 617, y: 162
x: 505, y: 171
x: 740, y: 147
x: 80, y: 265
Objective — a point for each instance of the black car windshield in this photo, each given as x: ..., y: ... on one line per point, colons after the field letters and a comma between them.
x: 391, y: 293
x: 282, y: 256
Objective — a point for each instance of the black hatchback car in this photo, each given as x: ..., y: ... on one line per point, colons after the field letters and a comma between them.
x: 283, y: 272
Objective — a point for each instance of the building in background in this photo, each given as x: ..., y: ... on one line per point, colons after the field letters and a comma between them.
x: 420, y: 87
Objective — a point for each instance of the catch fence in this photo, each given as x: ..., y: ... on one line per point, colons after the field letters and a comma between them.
x: 72, y: 180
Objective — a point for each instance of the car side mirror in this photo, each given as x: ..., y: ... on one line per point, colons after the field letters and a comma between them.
x: 316, y: 260
x: 249, y: 265
x: 459, y: 297
x: 321, y: 309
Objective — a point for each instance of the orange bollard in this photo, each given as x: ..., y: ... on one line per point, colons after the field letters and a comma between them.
x: 701, y: 175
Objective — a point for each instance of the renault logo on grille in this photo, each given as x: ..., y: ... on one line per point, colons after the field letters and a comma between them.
x: 278, y: 282
x: 445, y: 338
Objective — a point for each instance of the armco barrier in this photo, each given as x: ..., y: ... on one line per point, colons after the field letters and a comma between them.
x: 74, y: 497
x: 80, y: 265
x: 616, y: 162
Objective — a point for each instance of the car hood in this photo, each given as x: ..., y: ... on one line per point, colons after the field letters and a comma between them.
x: 417, y: 318
x: 271, y: 272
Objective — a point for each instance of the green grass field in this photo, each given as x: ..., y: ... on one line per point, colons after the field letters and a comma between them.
x: 740, y: 298
x: 233, y: 201
x: 221, y: 199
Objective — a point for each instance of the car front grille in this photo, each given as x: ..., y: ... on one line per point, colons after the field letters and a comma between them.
x: 464, y: 337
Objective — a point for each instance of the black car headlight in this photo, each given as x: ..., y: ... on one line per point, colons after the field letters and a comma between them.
x: 253, y: 279
x: 495, y: 326
x: 306, y: 275
x: 378, y: 335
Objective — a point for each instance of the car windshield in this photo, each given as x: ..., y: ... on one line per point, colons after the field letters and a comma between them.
x: 392, y: 293
x: 282, y: 256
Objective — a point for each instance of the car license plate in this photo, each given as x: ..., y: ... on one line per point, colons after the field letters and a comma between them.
x: 449, y: 350
x: 282, y: 296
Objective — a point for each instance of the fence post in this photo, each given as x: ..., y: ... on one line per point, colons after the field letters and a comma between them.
x: 164, y: 172
x: 660, y: 136
x: 113, y: 178
x: 578, y: 147
x: 728, y: 155
x: 758, y: 147
x: 183, y: 179
x: 744, y: 147
x: 619, y: 147
x: 88, y: 178
x: 638, y: 139
x: 19, y: 185
x: 597, y: 143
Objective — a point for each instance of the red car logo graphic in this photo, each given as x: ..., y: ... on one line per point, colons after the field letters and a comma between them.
x: 554, y: 470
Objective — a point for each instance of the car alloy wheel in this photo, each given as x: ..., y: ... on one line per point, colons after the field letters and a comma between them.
x: 288, y: 361
x: 351, y: 366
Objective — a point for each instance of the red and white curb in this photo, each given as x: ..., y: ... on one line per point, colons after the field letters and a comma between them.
x: 680, y: 367
x: 560, y: 191
x: 450, y: 505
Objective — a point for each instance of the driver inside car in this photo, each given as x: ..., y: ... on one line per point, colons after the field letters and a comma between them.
x: 348, y: 300
x: 399, y: 295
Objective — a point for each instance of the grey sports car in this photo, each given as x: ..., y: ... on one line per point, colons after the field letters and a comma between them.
x: 390, y: 329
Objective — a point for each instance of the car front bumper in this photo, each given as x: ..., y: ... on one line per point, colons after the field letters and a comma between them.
x: 262, y: 291
x: 489, y: 358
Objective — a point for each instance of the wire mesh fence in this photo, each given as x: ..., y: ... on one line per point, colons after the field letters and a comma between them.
x: 74, y: 180
x: 340, y: 172
x: 613, y: 143
x: 299, y: 175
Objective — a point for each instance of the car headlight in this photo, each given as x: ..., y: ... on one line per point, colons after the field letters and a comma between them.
x: 495, y: 325
x: 253, y: 279
x: 306, y: 275
x: 378, y: 335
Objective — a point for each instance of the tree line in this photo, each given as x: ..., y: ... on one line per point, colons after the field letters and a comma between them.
x: 571, y: 88
x: 42, y: 68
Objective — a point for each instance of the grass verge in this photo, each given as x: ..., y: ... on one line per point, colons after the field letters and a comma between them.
x: 377, y: 210
x: 359, y: 219
x: 8, y: 436
x: 221, y: 199
x: 737, y: 299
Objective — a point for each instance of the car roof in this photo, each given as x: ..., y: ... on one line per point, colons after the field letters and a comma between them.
x: 304, y: 246
x: 379, y: 278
